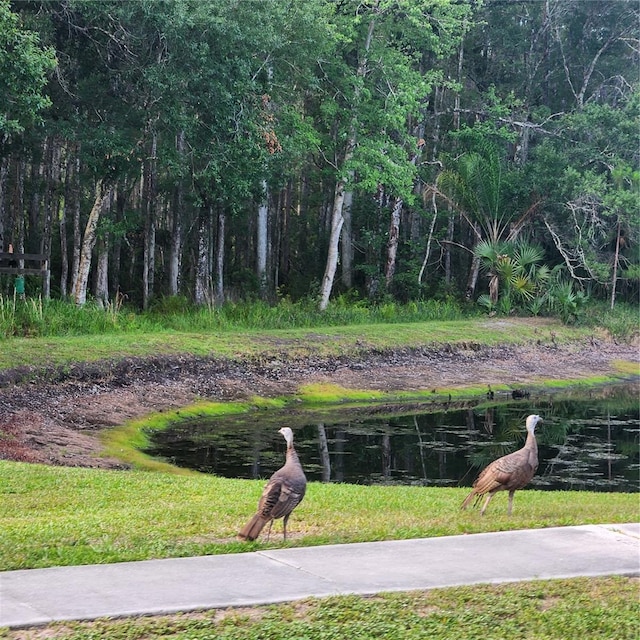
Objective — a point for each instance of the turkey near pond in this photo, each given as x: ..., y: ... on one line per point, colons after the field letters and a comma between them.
x: 508, y: 473
x: 589, y: 441
x: 281, y: 495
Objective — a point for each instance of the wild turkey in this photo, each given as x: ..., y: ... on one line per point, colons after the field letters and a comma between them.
x: 281, y: 495
x: 508, y: 473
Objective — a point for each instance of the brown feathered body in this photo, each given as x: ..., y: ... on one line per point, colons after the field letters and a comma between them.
x: 281, y: 495
x: 509, y: 473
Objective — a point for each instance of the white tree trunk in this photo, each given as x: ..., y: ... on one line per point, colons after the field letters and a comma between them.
x: 392, y: 242
x: 102, y: 197
x: 427, y: 253
x: 203, y: 273
x: 262, y: 240
x: 175, y: 252
x: 474, y: 271
x: 337, y: 220
x: 346, y: 253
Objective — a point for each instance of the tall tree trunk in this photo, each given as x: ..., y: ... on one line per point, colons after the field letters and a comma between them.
x: 77, y: 232
x: 150, y: 203
x: 101, y: 291
x: 392, y: 243
x: 4, y: 172
x: 219, y: 259
x: 67, y: 206
x: 17, y: 225
x: 337, y: 217
x: 614, y: 279
x: 337, y: 220
x: 35, y: 202
x: 262, y: 241
x: 285, y: 241
x: 50, y: 206
x: 20, y: 207
x: 447, y: 248
x: 175, y: 254
x: 102, y: 197
x: 203, y: 270
x: 115, y: 253
x: 474, y: 271
x: 427, y: 253
x: 346, y: 246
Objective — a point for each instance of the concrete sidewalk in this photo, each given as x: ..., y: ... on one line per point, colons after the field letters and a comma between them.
x: 38, y: 596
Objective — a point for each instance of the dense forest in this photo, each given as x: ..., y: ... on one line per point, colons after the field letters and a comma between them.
x: 225, y: 150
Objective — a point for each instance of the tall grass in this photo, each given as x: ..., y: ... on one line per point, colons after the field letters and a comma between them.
x: 37, y: 317
x: 622, y: 322
x: 45, y: 318
x: 304, y: 314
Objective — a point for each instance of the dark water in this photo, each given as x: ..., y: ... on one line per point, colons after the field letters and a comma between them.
x: 587, y: 442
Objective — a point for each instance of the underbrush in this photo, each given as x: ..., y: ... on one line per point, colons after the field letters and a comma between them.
x: 35, y: 317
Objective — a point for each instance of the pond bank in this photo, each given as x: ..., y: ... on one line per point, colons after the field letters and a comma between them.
x: 57, y: 419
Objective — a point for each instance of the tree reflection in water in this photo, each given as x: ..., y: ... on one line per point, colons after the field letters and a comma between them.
x: 586, y: 442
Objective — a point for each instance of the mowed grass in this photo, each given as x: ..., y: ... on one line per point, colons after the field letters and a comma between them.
x: 57, y: 516
x: 321, y: 341
x: 588, y: 609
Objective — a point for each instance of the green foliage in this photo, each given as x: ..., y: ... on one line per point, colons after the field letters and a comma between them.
x: 515, y: 272
x: 24, y: 65
x: 564, y: 299
x: 588, y: 170
x: 294, y: 96
x: 621, y: 322
x: 37, y: 317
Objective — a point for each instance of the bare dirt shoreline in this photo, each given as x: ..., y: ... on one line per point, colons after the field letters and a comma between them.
x: 54, y: 417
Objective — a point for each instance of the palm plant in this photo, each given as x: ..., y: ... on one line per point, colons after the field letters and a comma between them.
x: 514, y: 272
x: 477, y: 188
x: 562, y: 297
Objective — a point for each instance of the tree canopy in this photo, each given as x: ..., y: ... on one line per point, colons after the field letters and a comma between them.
x: 236, y: 149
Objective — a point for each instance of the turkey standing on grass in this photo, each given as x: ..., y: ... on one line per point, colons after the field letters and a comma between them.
x: 508, y: 473
x: 281, y: 495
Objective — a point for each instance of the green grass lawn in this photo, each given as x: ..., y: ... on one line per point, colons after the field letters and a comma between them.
x: 54, y: 516
x: 295, y: 342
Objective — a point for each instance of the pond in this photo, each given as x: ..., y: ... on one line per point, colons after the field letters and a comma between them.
x: 588, y: 441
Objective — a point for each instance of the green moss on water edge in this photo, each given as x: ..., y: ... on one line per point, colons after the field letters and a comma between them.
x: 128, y: 441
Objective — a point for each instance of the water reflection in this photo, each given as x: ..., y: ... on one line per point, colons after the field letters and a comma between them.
x: 587, y: 443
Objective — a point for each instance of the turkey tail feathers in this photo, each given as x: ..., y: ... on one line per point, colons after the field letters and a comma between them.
x: 468, y: 499
x: 252, y: 529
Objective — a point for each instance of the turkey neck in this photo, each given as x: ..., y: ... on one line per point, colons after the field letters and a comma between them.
x: 531, y: 445
x: 292, y: 455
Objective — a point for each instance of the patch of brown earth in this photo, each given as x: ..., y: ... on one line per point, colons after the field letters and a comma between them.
x: 54, y: 417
